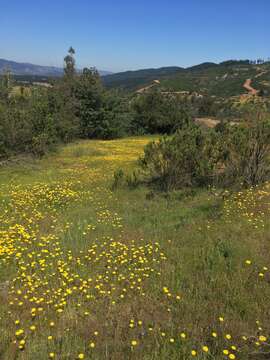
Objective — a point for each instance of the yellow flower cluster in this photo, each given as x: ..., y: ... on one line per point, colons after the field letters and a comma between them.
x: 251, y: 204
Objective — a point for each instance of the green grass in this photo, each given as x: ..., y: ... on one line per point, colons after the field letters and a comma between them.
x: 111, y: 259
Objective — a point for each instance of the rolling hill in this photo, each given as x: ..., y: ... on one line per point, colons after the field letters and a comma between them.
x: 134, y: 79
x: 224, y: 79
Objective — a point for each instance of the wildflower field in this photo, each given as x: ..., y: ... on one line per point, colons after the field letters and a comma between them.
x: 91, y: 273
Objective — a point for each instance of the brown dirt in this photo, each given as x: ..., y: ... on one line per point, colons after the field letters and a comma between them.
x: 208, y: 122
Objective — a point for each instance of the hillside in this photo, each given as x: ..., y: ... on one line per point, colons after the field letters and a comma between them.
x: 135, y: 79
x: 27, y: 69
x: 224, y: 79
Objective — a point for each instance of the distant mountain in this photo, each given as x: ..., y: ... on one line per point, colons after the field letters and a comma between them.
x: 25, y: 69
x: 203, y: 66
x: 105, y: 72
x: 29, y: 69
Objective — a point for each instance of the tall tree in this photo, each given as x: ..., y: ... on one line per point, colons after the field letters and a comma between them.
x: 5, y: 85
x: 63, y: 99
x: 89, y: 102
x: 69, y: 67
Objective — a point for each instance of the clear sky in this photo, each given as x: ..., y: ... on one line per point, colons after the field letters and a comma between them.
x: 119, y: 35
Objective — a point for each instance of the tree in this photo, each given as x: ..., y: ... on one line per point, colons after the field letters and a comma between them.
x: 69, y: 67
x: 63, y: 100
x: 88, y: 94
x: 5, y: 85
x: 102, y: 114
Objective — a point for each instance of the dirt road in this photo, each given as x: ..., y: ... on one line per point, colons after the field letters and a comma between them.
x: 249, y: 88
x: 144, y: 89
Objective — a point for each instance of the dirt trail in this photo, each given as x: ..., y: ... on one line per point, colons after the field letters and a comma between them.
x: 142, y: 90
x: 208, y: 122
x: 261, y: 74
x: 211, y: 122
x: 249, y: 88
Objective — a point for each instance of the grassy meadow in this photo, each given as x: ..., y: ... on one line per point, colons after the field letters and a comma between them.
x: 91, y: 273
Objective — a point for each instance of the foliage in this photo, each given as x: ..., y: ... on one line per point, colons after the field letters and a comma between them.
x: 207, y: 106
x: 131, y: 180
x: 246, y: 149
x: 76, y: 106
x: 88, y: 95
x: 69, y: 69
x: 28, y: 128
x: 231, y: 155
x: 118, y: 179
x: 5, y: 86
x: 102, y: 115
x: 155, y: 113
x: 180, y: 161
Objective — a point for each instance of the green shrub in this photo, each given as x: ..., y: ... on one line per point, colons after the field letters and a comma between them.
x: 156, y: 113
x: 118, y: 179
x: 133, y: 180
x: 233, y: 155
x: 246, y: 150
x: 27, y: 126
x: 41, y: 144
x: 180, y: 161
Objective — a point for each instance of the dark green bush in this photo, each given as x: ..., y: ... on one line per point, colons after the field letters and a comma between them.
x: 156, y: 113
x: 27, y: 126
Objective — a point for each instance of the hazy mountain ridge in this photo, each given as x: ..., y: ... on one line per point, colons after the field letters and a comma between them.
x: 25, y: 69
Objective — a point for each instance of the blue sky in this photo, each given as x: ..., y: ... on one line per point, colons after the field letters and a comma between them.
x: 119, y: 35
